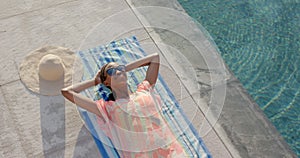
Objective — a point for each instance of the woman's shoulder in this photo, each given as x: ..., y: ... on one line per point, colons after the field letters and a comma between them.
x: 144, y: 85
x: 103, y: 103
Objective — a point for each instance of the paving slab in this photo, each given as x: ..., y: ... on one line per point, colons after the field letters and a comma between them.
x: 66, y: 25
x: 216, y: 146
x: 38, y: 126
x: 10, y: 140
x: 17, y: 7
x: 208, y: 134
x: 25, y: 114
x: 9, y: 69
x: 85, y: 146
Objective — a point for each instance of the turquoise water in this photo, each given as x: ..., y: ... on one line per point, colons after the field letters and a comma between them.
x: 260, y: 42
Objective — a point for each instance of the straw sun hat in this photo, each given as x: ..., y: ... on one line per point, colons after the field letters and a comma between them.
x: 48, y: 69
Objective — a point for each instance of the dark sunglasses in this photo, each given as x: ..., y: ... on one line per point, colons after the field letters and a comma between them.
x: 112, y: 71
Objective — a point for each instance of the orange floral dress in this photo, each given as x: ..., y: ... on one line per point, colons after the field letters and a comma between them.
x: 137, y: 128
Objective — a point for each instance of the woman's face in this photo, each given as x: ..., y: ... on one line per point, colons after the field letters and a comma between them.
x: 117, y: 79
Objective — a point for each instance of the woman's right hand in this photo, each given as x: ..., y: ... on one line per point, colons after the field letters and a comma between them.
x: 97, y: 78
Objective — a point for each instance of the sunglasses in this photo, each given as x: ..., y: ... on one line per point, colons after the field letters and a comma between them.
x: 112, y: 71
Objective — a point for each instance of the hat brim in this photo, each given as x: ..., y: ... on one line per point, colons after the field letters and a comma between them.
x: 29, y: 74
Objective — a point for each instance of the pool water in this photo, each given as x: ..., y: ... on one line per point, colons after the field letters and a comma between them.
x: 260, y: 41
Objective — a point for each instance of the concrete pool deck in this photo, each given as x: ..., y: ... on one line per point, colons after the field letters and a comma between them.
x: 38, y: 126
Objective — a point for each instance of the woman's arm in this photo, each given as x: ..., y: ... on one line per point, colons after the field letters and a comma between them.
x: 153, y: 67
x: 72, y: 94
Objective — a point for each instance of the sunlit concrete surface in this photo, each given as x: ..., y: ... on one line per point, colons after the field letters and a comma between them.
x: 33, y: 125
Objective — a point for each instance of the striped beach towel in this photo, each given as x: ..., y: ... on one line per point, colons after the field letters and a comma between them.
x: 125, y: 51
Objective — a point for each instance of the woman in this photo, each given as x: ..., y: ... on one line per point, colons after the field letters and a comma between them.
x: 136, y: 126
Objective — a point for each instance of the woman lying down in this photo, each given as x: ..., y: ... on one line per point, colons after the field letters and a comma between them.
x: 135, y: 124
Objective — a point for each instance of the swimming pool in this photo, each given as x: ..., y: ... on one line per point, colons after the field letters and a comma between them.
x: 260, y: 42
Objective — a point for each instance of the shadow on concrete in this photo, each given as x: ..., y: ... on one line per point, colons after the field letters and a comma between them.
x: 52, y: 113
x: 52, y: 116
x: 85, y: 145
